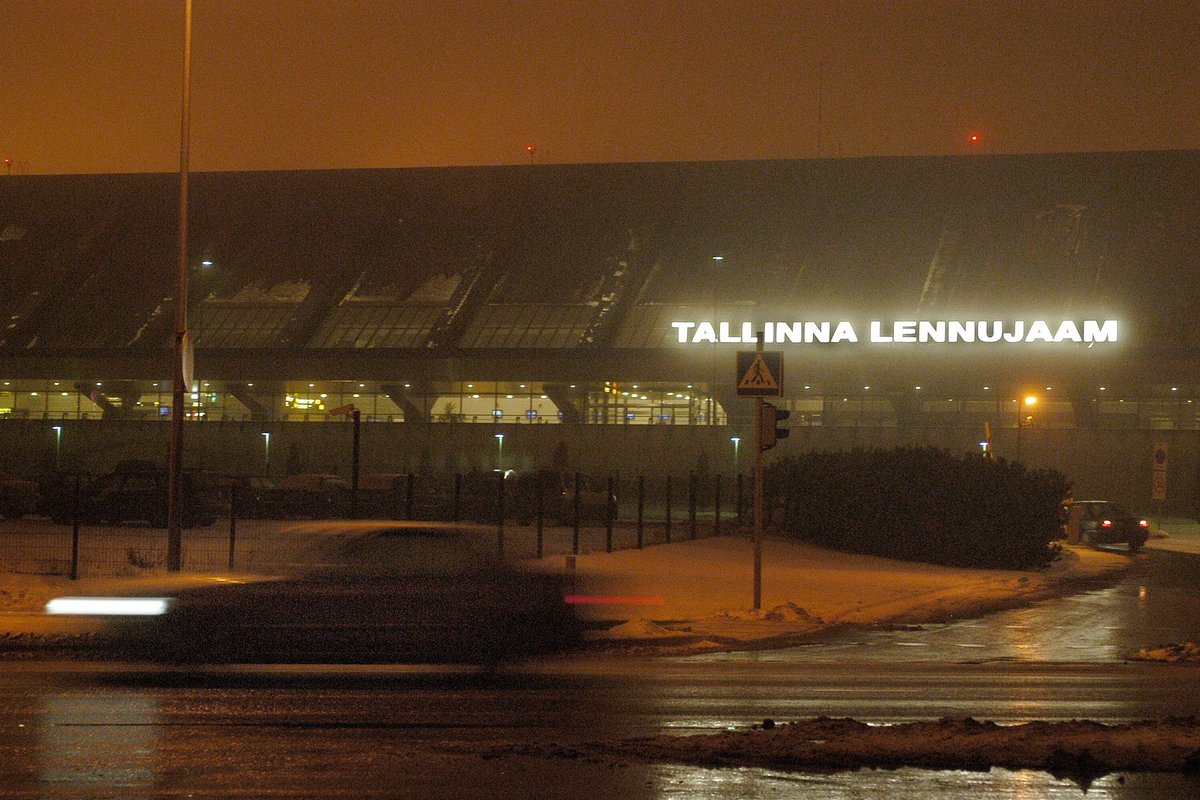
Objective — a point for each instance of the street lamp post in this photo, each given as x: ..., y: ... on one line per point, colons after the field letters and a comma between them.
x: 182, y: 348
x: 737, y: 440
x: 500, y: 452
x: 1029, y: 401
x: 712, y: 386
x: 266, y: 454
x: 57, y: 446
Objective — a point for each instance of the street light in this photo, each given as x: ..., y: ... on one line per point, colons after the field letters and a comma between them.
x: 266, y: 453
x: 182, y: 341
x: 737, y: 440
x: 717, y: 261
x: 499, y: 451
x: 57, y: 444
x: 1029, y: 402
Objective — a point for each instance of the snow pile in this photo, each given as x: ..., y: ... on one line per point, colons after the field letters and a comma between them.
x: 639, y: 628
x: 785, y: 612
x: 1169, y: 653
x: 1078, y: 749
x: 27, y: 592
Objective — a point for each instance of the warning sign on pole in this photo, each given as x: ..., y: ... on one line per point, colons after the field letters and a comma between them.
x: 759, y: 374
x: 1159, y: 472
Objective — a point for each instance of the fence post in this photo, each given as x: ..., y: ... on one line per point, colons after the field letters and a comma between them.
x: 540, y: 532
x: 641, y: 509
x: 738, y: 515
x: 75, y: 529
x: 454, y: 510
x: 717, y: 504
x: 500, y: 513
x: 668, y: 525
x: 394, y: 505
x: 408, y: 496
x: 692, y: 502
x: 233, y: 513
x: 610, y: 511
x: 575, y: 544
x: 354, y: 462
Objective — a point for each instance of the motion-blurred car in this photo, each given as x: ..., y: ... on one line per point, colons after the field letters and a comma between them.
x: 1100, y: 523
x: 365, y: 593
x: 18, y: 496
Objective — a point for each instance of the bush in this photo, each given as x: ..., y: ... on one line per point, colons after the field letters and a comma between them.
x: 920, y: 504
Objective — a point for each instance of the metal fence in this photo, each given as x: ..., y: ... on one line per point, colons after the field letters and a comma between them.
x: 568, y: 514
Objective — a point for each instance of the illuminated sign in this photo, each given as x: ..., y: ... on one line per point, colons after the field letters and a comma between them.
x: 1087, y: 332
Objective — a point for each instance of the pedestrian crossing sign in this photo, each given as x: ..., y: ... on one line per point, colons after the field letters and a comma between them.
x: 760, y: 373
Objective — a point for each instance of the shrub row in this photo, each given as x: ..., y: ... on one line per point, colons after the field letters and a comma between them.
x: 920, y: 504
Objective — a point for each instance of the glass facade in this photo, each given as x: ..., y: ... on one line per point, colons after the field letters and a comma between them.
x: 605, y: 403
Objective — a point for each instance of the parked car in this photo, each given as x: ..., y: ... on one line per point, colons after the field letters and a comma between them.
x: 382, y: 495
x: 138, y: 495
x: 1101, y: 522
x: 18, y: 496
x: 307, y: 495
x: 245, y: 493
x: 395, y: 592
x: 558, y: 498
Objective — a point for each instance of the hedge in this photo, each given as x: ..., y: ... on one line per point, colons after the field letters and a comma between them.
x: 920, y: 504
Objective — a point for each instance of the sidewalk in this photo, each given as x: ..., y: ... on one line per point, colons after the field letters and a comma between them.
x: 698, y: 595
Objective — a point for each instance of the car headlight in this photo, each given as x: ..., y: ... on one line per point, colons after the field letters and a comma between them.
x: 109, y: 606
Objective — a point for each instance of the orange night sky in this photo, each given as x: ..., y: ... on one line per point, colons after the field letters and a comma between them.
x: 94, y: 85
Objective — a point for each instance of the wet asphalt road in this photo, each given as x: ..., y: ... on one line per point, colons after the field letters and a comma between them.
x: 87, y: 730
x: 1157, y: 602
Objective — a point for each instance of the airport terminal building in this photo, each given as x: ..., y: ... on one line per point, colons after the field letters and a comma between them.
x: 1043, y: 304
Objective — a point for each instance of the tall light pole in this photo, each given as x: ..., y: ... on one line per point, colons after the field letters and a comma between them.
x: 737, y: 440
x: 266, y: 454
x: 499, y: 452
x: 57, y: 445
x: 182, y: 348
x: 712, y: 387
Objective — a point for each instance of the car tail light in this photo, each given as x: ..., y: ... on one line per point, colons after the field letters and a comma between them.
x: 1106, y: 524
x: 1143, y: 523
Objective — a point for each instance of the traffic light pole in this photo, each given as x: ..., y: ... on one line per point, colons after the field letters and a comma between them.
x: 759, y: 376
x: 758, y: 489
x: 758, y: 496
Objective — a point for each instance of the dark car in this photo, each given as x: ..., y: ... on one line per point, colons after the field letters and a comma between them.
x: 306, y: 496
x: 18, y: 496
x: 558, y: 498
x: 138, y: 495
x: 245, y: 494
x: 1100, y: 523
x: 395, y: 592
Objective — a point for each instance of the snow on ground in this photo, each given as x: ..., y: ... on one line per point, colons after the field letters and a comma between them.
x: 1169, y: 653
x: 1077, y: 749
x: 697, y: 595
x: 1183, y: 536
x: 1180, y: 535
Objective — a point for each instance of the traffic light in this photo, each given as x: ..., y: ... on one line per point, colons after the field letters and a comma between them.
x: 769, y: 425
